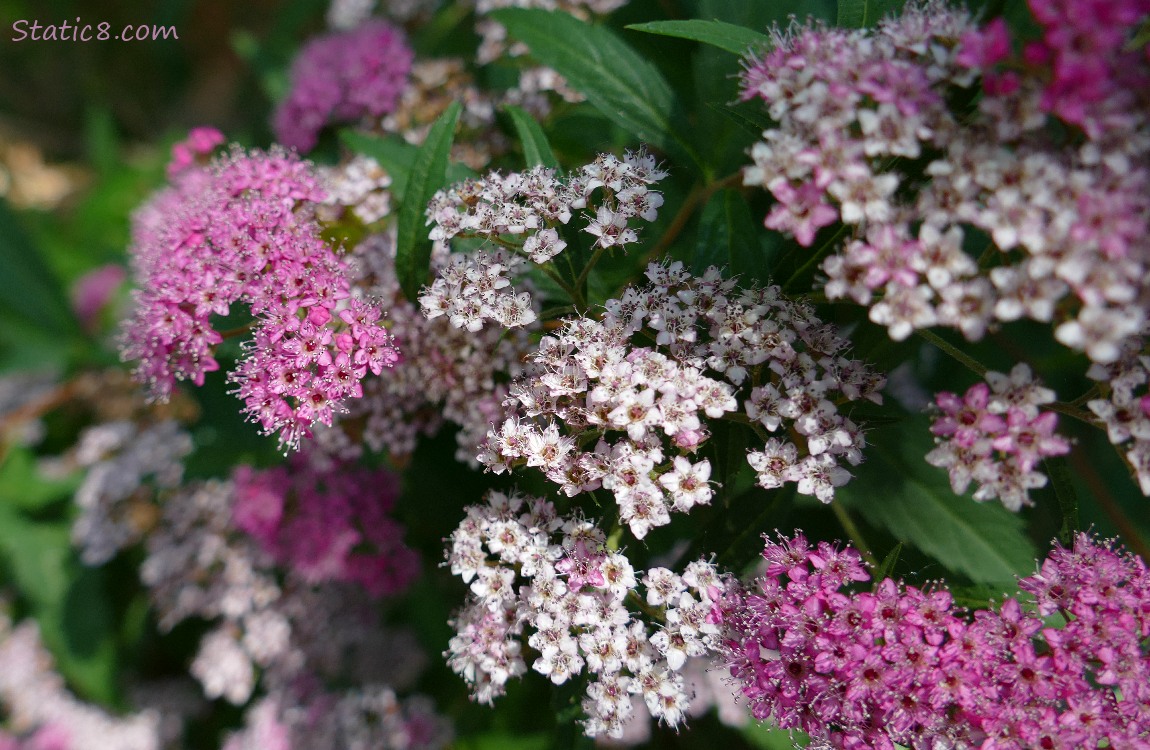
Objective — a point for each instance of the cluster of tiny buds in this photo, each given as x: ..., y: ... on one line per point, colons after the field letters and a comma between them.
x: 1060, y: 224
x: 554, y: 579
x: 996, y: 435
x: 639, y: 408
x: 1125, y: 411
x: 522, y: 213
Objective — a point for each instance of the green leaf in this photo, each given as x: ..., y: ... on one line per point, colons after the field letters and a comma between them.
x: 69, y: 601
x: 727, y: 234
x: 30, y: 292
x: 896, y: 489
x: 886, y: 567
x: 726, y: 36
x: 396, y: 156
x: 628, y: 89
x: 428, y: 172
x: 536, y: 149
x: 1059, y: 473
x: 748, y: 115
x: 862, y: 14
x: 22, y: 485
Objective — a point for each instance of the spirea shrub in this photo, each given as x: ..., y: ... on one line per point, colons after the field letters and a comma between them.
x: 580, y: 300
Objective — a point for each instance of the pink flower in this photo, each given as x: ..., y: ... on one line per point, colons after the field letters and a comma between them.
x: 343, y: 77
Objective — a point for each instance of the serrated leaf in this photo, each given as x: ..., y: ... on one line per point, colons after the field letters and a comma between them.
x: 536, y: 149
x: 727, y: 233
x: 628, y: 89
x: 897, y: 490
x: 862, y: 14
x: 727, y: 36
x: 428, y: 173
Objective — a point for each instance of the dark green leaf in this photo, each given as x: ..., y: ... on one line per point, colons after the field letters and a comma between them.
x: 428, y: 172
x: 1059, y: 474
x: 862, y: 14
x: 886, y: 567
x: 749, y: 115
x: 618, y: 81
x: 29, y: 291
x: 396, y: 156
x: 727, y: 234
x: 727, y: 36
x: 536, y: 149
x: 897, y: 490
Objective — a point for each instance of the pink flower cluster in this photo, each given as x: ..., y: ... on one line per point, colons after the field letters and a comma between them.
x: 243, y: 231
x: 1067, y: 217
x: 327, y: 525
x: 343, y: 77
x: 199, y: 145
x: 996, y: 436
x: 901, y: 665
x: 1092, y: 75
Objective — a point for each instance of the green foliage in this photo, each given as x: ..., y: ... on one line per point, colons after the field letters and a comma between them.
x: 895, y: 489
x: 861, y: 14
x: 536, y: 150
x: 68, y: 600
x: 428, y: 174
x: 30, y: 293
x: 627, y: 88
x: 725, y: 36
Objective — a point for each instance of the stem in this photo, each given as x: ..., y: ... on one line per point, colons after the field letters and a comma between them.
x: 698, y: 195
x: 595, y: 256
x: 232, y: 333
x: 1074, y: 412
x: 853, y: 533
x: 970, y: 362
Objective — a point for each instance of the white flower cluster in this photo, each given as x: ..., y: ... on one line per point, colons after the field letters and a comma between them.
x: 1125, y: 411
x: 1061, y: 226
x: 199, y: 566
x: 592, y: 382
x: 448, y: 373
x: 552, y: 579
x: 368, y: 718
x: 360, y: 184
x: 124, y: 460
x: 477, y: 286
x: 33, y: 697
x: 470, y: 288
x: 293, y: 637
